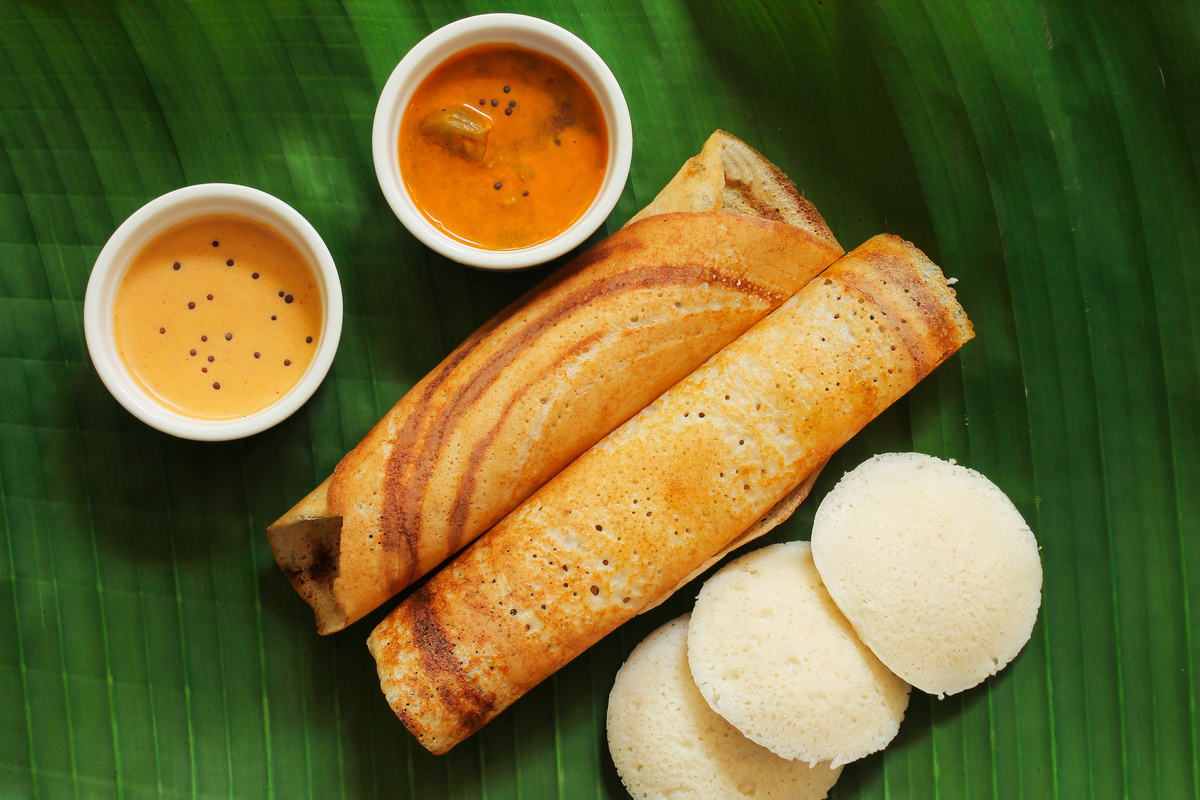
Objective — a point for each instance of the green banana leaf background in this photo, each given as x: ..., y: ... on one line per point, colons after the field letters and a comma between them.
x: 1045, y: 153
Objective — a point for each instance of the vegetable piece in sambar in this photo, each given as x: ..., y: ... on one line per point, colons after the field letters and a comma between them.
x: 463, y: 131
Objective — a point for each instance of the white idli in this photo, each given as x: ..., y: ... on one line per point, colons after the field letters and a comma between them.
x: 667, y: 742
x: 772, y: 654
x: 933, y: 566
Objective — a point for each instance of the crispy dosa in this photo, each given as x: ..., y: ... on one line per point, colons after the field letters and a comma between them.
x: 543, y: 381
x: 638, y: 512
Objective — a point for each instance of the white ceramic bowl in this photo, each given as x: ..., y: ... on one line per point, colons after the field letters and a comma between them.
x: 129, y: 240
x: 531, y: 33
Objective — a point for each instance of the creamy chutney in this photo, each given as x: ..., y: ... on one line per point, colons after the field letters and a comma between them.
x: 218, y: 317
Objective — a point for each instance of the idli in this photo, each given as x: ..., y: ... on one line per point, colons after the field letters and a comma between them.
x: 667, y: 742
x: 933, y: 566
x: 772, y: 654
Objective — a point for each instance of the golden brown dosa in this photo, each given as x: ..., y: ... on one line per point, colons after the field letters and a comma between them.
x: 543, y: 381
x: 639, y: 511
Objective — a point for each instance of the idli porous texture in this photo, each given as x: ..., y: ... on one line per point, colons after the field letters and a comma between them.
x: 933, y: 566
x: 772, y: 654
x: 667, y: 743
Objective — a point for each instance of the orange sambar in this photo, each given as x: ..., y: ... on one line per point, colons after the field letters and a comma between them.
x: 218, y: 317
x: 502, y: 147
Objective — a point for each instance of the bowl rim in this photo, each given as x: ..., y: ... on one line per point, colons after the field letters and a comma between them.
x: 132, y: 236
x: 524, y: 31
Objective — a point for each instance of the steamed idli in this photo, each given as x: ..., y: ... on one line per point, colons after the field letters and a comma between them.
x: 667, y: 742
x: 933, y: 566
x: 772, y: 654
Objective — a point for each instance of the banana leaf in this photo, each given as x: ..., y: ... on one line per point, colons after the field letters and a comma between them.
x: 1045, y: 153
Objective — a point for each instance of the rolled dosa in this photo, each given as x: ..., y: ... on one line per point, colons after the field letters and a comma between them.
x: 547, y: 378
x: 639, y: 511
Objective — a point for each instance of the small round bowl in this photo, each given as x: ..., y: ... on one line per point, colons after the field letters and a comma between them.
x: 533, y: 34
x: 129, y: 240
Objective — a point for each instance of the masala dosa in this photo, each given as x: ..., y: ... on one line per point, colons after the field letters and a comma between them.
x: 547, y: 378
x: 635, y: 514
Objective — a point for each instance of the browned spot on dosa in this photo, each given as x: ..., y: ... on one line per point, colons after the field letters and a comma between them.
x: 437, y: 658
x: 750, y: 198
